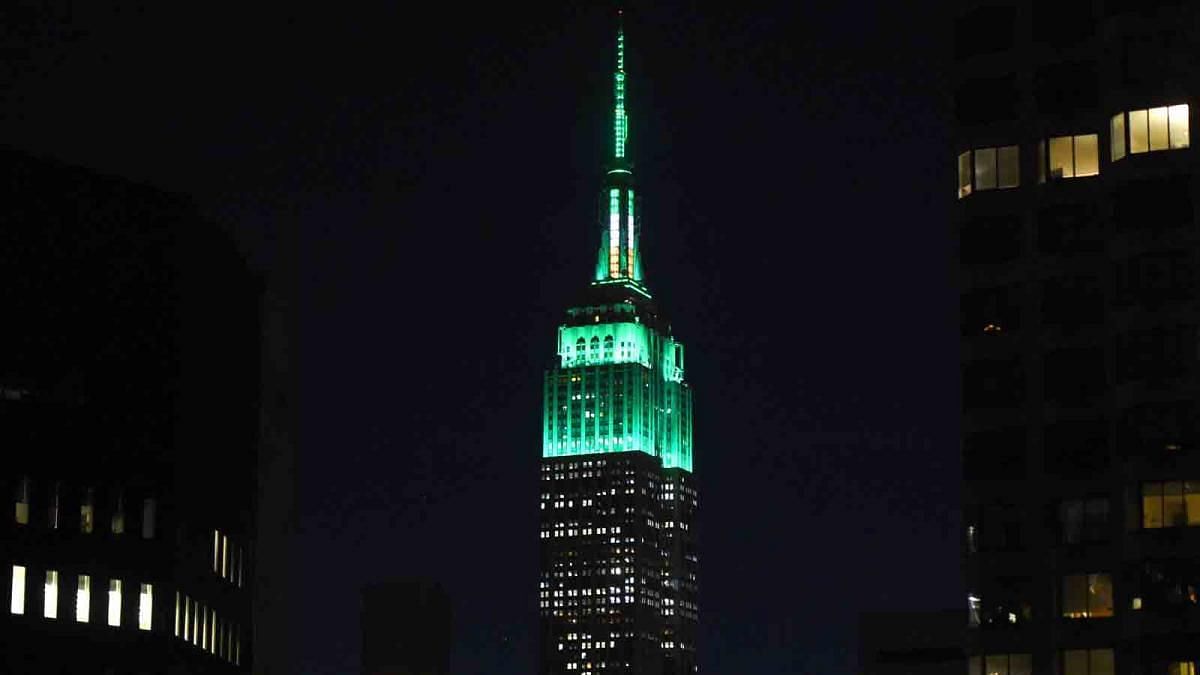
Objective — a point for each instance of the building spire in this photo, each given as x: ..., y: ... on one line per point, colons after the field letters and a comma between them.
x: 620, y: 121
x: 619, y: 258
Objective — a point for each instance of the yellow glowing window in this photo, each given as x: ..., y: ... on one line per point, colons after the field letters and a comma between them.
x: 145, y: 606
x: 177, y: 613
x: 1087, y: 662
x: 985, y: 169
x: 87, y: 512
x: 216, y: 550
x: 1000, y: 664
x: 17, y: 597
x: 1116, y: 130
x: 964, y: 174
x: 187, y: 619
x: 50, y: 595
x: 1162, y: 128
x: 83, y: 598
x: 114, y: 602
x: 1008, y: 166
x: 1087, y: 596
x: 224, y: 557
x: 22, y: 510
x: 1181, y: 668
x: 195, y: 622
x: 1073, y: 156
x: 1170, y: 504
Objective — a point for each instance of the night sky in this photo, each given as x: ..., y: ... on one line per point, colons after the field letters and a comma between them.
x: 420, y: 190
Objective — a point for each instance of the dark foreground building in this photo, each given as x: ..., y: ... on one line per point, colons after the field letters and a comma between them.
x: 129, y: 414
x: 912, y: 643
x: 407, y: 629
x: 1080, y: 274
x: 618, y: 589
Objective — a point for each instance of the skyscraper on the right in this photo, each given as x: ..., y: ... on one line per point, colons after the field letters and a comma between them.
x: 1079, y: 252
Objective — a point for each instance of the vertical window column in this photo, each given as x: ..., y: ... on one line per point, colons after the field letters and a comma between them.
x: 83, y: 598
x: 114, y: 602
x: 145, y: 606
x: 50, y: 595
x: 17, y: 596
x: 24, y: 487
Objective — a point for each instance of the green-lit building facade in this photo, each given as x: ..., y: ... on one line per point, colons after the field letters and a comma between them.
x: 618, y: 588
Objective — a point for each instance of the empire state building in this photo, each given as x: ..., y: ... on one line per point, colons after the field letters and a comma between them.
x: 618, y: 586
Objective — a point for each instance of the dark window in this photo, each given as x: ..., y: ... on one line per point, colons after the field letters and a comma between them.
x: 1083, y: 520
x: 1069, y: 228
x: 1076, y: 449
x: 1064, y: 89
x: 994, y: 455
x: 992, y: 311
x: 1153, y: 205
x: 985, y: 100
x: 1071, y: 303
x: 1156, y: 279
x: 998, y: 526
x: 993, y: 384
x: 990, y: 240
x: 1156, y: 355
x: 1074, y: 377
x: 1007, y: 602
x: 1159, y: 430
x: 1170, y: 586
x: 984, y: 30
x: 1063, y: 22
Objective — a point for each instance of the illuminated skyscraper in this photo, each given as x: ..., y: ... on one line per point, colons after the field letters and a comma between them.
x: 618, y: 548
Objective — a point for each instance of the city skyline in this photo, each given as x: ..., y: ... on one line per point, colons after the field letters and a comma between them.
x: 415, y: 192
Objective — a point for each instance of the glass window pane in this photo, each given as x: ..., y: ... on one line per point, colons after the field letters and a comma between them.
x: 1075, y: 662
x: 985, y: 169
x: 145, y: 606
x: 1191, y: 496
x: 964, y: 174
x: 996, y: 664
x: 114, y: 602
x: 83, y: 598
x: 1020, y: 664
x: 17, y: 603
x: 1072, y: 521
x: 1100, y: 595
x: 1158, y: 129
x: 1041, y: 161
x: 1087, y: 155
x: 1173, y: 511
x: 1139, y: 131
x: 50, y: 595
x: 1116, y: 130
x: 1062, y: 165
x: 1152, y: 509
x: 1102, y: 662
x: 1075, y: 596
x: 1180, y: 137
x: 1010, y: 166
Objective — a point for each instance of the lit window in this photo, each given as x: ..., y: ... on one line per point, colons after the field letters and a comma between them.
x: 1072, y: 156
x: 1162, y: 128
x: 50, y: 595
x: 87, y: 511
x: 114, y: 602
x: 145, y: 606
x: 55, y: 499
x: 1087, y: 596
x: 148, y: 518
x: 83, y: 598
x: 988, y: 169
x: 187, y: 619
x: 224, y: 557
x: 1116, y: 130
x: 118, y: 516
x: 176, y: 613
x: 23, y: 490
x: 1087, y: 662
x: 1000, y: 664
x: 1136, y: 603
x: 17, y: 604
x: 195, y: 622
x: 1181, y: 668
x: 216, y: 550
x: 204, y: 628
x: 1170, y: 504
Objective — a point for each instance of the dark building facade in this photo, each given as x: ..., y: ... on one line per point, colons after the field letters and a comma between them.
x: 912, y: 643
x: 618, y: 588
x: 407, y: 629
x: 1078, y: 247
x: 129, y: 371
